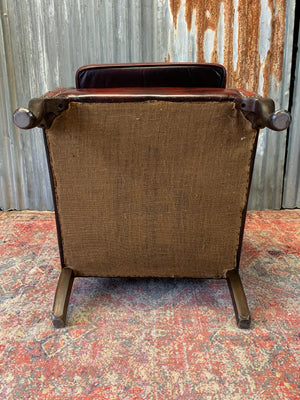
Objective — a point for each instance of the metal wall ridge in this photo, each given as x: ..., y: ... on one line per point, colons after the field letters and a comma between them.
x: 291, y: 193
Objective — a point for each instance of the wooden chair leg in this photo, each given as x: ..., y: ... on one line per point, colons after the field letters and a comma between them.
x: 239, y: 300
x: 62, y: 296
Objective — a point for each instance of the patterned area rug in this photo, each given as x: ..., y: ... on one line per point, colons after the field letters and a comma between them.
x: 149, y: 339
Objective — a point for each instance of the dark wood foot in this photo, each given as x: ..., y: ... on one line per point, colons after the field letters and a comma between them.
x: 62, y: 296
x: 239, y: 300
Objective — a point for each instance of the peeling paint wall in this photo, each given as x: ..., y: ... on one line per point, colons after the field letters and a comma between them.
x: 43, y: 42
x: 246, y: 36
x: 253, y: 40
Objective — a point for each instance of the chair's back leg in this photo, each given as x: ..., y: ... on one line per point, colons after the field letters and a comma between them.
x: 62, y: 296
x: 239, y: 300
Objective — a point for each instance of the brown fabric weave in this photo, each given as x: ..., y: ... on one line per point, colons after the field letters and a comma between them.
x: 151, y: 189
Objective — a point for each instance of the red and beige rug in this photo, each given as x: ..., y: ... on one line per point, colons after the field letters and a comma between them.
x: 150, y: 339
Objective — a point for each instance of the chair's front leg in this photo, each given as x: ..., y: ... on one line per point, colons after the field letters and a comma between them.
x: 239, y: 300
x: 62, y: 296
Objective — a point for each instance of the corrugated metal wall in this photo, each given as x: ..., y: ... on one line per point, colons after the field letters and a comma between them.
x: 43, y: 42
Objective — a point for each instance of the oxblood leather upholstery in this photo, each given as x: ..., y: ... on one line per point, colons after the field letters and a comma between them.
x: 151, y: 75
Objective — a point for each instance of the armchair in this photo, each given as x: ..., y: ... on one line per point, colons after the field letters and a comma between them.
x: 151, y: 167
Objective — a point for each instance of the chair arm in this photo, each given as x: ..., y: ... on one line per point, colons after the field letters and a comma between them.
x: 41, y: 111
x: 261, y: 112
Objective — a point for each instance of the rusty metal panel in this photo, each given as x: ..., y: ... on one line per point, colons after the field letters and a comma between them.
x: 253, y: 40
x: 24, y: 175
x: 43, y: 42
x: 291, y: 194
x: 7, y: 192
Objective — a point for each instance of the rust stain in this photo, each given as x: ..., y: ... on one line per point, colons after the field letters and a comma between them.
x: 228, y: 45
x: 175, y: 6
x: 168, y: 59
x: 246, y: 75
x: 248, y: 67
x: 207, y: 17
x: 274, y: 60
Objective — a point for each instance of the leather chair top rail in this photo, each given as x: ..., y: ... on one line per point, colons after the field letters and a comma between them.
x: 151, y: 75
